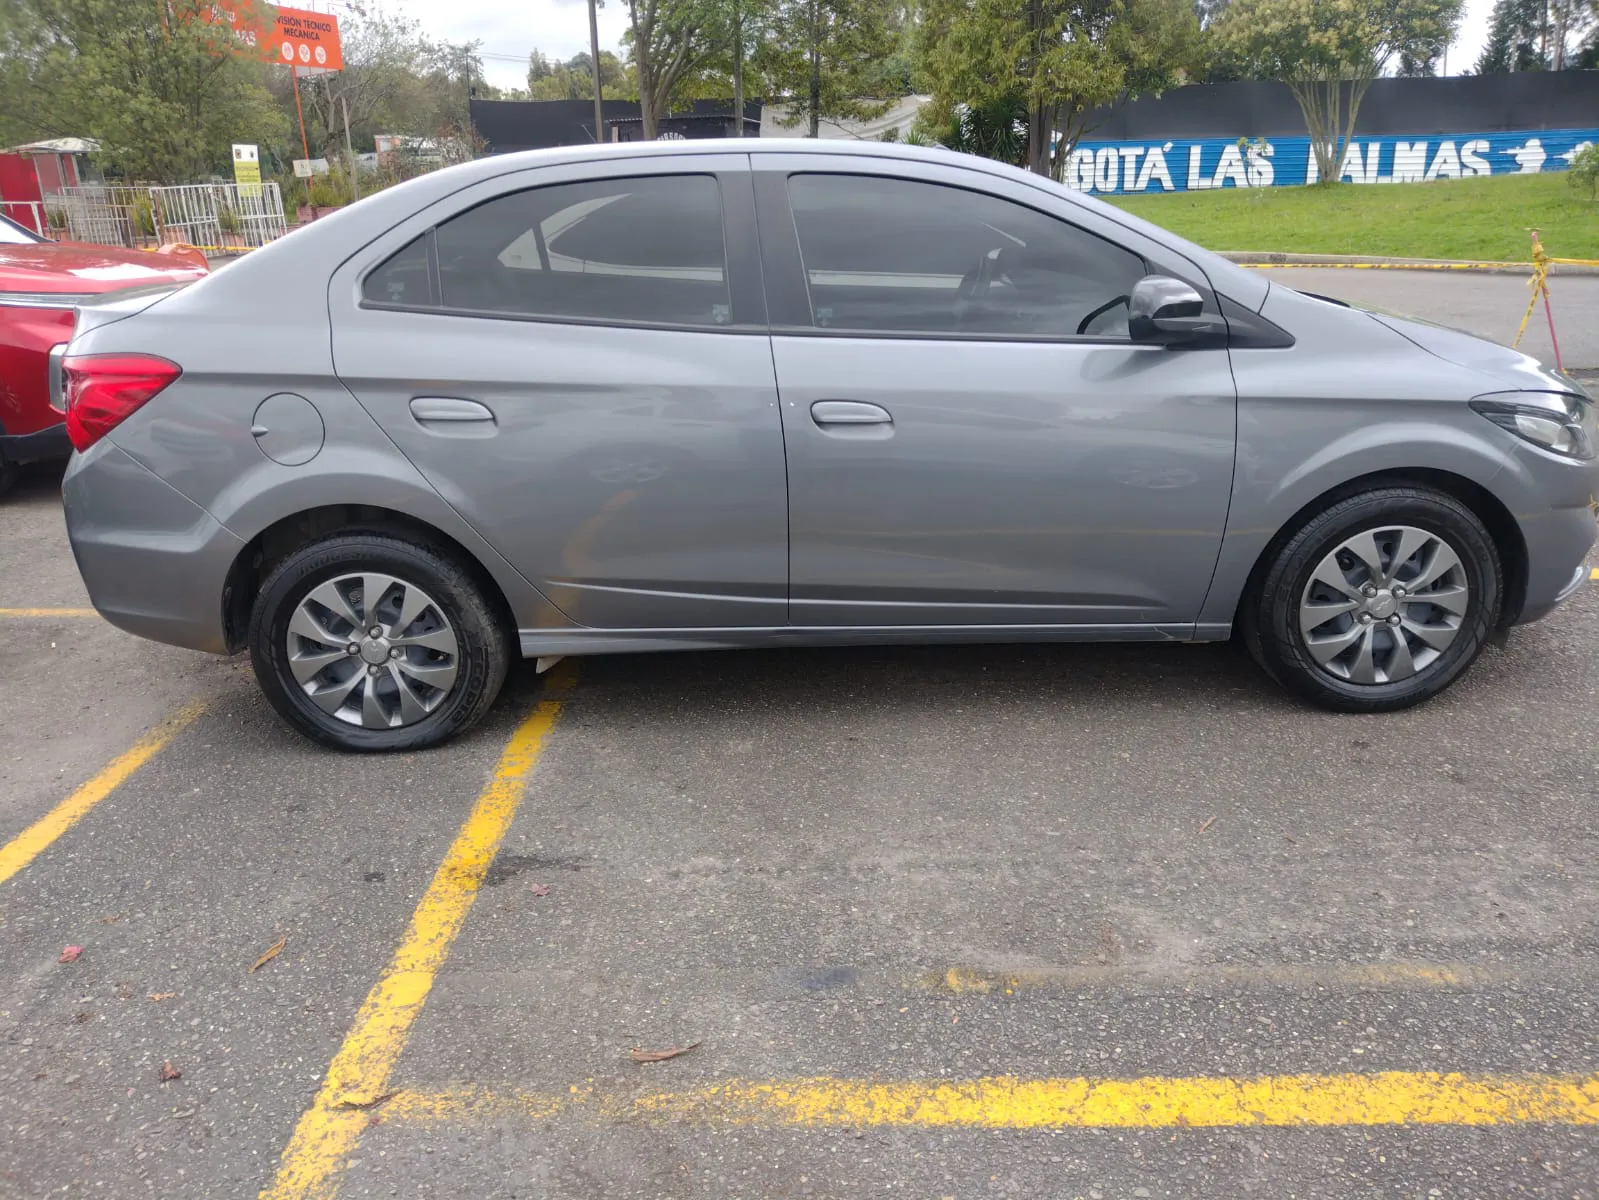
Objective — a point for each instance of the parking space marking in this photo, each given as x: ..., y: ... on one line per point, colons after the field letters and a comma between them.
x: 330, y: 1129
x: 27, y: 845
x: 1007, y: 1102
x: 1396, y: 974
x: 27, y: 613
x: 1593, y: 573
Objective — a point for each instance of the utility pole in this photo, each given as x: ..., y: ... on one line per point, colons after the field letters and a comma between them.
x: 594, y: 67
x: 349, y: 149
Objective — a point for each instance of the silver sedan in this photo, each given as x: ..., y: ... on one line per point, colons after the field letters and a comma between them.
x: 672, y: 396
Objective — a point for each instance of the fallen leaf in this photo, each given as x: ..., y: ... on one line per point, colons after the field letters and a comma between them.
x: 71, y: 954
x: 272, y: 951
x: 110, y: 918
x: 160, y: 996
x: 81, y: 1018
x: 169, y: 1073
x: 539, y: 889
x: 124, y: 990
x: 1207, y: 825
x: 649, y: 1056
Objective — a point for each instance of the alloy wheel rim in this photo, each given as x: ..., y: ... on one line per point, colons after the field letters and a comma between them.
x: 373, y: 650
x: 1384, y: 605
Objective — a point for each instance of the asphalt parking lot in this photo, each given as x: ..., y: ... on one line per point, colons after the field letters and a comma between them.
x: 1096, y: 921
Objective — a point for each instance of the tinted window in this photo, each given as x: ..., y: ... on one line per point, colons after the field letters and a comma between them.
x: 404, y: 278
x: 893, y: 255
x: 616, y: 250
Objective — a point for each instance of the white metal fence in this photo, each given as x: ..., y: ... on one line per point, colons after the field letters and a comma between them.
x: 217, y: 217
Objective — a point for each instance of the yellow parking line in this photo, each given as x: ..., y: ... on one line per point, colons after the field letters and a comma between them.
x: 329, y: 1130
x: 1399, y: 974
x: 48, y: 612
x: 28, y: 844
x: 1005, y: 1102
x: 1594, y: 573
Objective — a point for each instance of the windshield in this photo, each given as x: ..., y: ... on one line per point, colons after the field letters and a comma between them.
x: 12, y: 234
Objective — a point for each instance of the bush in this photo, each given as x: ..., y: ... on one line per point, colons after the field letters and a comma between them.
x: 227, y: 219
x: 330, y: 190
x: 1584, y: 172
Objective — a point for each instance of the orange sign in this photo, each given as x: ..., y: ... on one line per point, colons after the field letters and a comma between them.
x: 290, y: 36
x: 307, y: 39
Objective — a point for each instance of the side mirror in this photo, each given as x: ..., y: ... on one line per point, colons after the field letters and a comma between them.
x: 1163, y: 311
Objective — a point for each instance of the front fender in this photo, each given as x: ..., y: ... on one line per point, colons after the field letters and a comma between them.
x: 1286, y: 462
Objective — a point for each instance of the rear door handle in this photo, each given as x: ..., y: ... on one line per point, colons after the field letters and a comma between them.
x: 849, y: 412
x: 448, y: 408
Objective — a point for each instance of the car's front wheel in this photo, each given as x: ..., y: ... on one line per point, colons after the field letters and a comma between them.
x: 370, y: 643
x: 1379, y: 602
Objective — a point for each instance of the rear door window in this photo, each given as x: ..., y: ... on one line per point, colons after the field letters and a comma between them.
x: 647, y: 250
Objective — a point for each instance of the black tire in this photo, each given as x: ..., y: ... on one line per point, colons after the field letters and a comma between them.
x: 8, y: 477
x: 481, y: 660
x: 1270, y: 620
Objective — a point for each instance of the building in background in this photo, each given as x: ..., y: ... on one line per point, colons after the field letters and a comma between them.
x: 32, y: 173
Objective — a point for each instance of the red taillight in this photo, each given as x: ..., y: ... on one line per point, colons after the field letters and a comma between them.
x: 103, y: 390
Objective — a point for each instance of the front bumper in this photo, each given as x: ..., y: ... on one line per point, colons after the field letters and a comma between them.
x: 154, y: 561
x: 1558, y: 543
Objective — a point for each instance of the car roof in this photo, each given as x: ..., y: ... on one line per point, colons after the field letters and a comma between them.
x: 332, y: 238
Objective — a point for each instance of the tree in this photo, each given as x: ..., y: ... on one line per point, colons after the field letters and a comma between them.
x: 161, y: 85
x: 386, y: 61
x: 1569, y: 19
x: 1584, y: 171
x: 996, y: 129
x: 827, y: 58
x: 1515, y: 36
x: 668, y: 41
x: 1065, y: 59
x: 574, y: 78
x: 1329, y: 51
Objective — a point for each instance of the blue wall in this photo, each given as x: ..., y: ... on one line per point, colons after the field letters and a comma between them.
x: 1180, y: 165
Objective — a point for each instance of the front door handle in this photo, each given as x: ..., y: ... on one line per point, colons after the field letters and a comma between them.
x: 849, y: 412
x: 449, y: 408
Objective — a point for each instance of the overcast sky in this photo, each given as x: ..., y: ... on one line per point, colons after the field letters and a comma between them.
x: 510, y: 29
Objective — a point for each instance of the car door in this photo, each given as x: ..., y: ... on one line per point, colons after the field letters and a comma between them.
x: 972, y: 438
x: 577, y: 358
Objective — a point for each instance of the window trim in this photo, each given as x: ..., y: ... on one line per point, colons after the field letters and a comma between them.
x: 788, y: 290
x: 740, y: 263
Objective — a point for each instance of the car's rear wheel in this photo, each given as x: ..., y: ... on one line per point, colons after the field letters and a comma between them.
x: 370, y: 643
x: 8, y: 477
x: 1379, y: 602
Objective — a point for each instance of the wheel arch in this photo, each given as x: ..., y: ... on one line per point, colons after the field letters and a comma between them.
x: 262, y: 553
x: 1487, y: 507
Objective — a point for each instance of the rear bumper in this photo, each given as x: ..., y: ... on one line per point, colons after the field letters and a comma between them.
x: 44, y: 445
x: 154, y: 562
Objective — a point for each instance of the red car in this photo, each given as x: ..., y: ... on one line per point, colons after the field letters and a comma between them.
x: 41, y: 283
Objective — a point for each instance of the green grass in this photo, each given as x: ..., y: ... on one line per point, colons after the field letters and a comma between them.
x: 1480, y: 218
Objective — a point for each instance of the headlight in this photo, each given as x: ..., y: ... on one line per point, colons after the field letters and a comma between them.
x: 1556, y: 421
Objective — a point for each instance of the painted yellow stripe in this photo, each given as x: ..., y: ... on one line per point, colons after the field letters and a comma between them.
x: 33, y: 840
x: 359, y: 1073
x: 1594, y: 573
x: 1003, y: 1102
x: 48, y: 612
x: 1398, y: 974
